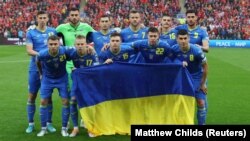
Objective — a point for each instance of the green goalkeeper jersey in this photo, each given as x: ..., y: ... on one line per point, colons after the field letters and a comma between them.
x: 69, y: 32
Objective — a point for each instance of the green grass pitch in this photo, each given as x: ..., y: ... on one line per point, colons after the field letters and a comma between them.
x: 228, y: 96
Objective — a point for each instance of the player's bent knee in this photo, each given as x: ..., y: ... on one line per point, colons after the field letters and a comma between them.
x: 65, y: 101
x: 73, y: 102
x: 32, y: 97
x: 50, y: 100
x: 73, y: 98
x: 44, y: 102
x: 31, y: 102
x: 200, y: 103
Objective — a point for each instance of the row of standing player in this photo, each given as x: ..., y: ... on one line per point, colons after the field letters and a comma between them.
x: 37, y: 39
x: 197, y: 36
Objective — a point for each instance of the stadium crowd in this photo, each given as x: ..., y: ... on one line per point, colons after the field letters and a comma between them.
x: 152, y: 10
x: 19, y: 15
x: 225, y: 19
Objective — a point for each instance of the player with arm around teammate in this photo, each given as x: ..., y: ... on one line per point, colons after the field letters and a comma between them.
x: 197, y: 35
x: 102, y: 37
x: 51, y: 63
x: 68, y: 32
x: 152, y: 49
x: 136, y: 31
x: 116, y: 51
x: 80, y: 58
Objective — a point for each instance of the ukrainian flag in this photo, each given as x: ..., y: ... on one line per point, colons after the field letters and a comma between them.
x: 113, y: 97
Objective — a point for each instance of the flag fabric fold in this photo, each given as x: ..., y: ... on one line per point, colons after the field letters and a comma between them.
x: 113, y: 97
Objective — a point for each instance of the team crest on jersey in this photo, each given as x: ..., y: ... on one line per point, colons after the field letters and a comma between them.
x: 55, y: 59
x: 191, y: 57
x: 50, y: 33
x: 184, y: 55
x: 56, y: 65
x: 151, y: 56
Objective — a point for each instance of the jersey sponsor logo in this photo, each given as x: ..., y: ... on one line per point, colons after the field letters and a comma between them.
x: 71, y: 30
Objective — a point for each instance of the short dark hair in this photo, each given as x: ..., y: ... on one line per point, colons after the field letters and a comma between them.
x: 182, y: 32
x: 53, y: 38
x: 153, y: 29
x: 74, y: 9
x: 191, y: 11
x: 41, y: 12
x: 80, y: 36
x: 166, y: 15
x: 134, y: 11
x: 105, y: 16
x: 114, y: 34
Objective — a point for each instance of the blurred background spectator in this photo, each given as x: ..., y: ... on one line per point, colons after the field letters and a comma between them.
x: 224, y: 19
